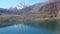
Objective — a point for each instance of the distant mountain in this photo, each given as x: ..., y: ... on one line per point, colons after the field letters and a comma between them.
x: 18, y: 6
x: 43, y: 10
x: 5, y: 11
x: 13, y: 9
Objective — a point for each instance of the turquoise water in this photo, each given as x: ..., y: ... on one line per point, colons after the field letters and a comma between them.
x: 24, y: 29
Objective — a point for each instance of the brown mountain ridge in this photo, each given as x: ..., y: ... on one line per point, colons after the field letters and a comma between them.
x: 43, y: 10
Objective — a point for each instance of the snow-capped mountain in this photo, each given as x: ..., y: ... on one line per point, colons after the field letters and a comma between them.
x: 18, y: 6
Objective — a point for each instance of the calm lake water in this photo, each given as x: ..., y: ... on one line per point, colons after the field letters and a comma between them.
x: 24, y: 29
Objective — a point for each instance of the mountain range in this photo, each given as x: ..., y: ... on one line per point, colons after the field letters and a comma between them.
x: 37, y: 11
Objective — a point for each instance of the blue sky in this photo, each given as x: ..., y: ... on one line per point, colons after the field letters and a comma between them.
x: 9, y: 3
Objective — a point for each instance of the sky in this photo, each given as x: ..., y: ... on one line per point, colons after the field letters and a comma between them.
x: 9, y: 3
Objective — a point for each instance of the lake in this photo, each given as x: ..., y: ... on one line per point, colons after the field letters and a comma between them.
x: 25, y: 29
x: 30, y: 27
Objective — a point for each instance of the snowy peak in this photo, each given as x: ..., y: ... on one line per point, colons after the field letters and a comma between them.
x: 18, y: 6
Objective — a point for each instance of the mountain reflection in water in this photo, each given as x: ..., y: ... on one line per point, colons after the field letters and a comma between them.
x: 22, y: 29
x: 41, y: 27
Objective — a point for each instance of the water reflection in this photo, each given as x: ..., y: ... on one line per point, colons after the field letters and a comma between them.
x: 32, y: 27
x: 49, y: 24
x: 24, y: 29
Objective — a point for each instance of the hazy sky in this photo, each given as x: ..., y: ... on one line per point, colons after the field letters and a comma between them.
x: 8, y: 3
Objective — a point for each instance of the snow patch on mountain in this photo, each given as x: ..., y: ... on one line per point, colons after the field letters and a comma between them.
x: 19, y: 6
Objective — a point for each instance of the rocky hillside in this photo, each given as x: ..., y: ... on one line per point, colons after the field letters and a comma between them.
x: 47, y: 9
x: 43, y: 10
